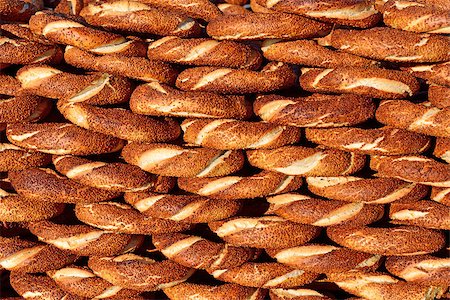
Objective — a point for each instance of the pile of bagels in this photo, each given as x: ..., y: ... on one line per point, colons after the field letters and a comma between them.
x: 210, y: 150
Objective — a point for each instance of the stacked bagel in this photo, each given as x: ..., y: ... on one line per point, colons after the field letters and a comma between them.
x: 193, y: 149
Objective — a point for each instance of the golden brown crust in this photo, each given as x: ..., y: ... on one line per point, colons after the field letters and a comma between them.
x: 19, y: 10
x: 24, y: 108
x: 13, y: 158
x: 424, y: 213
x: 197, y: 9
x: 186, y: 291
x: 23, y: 31
x: 70, y: 7
x: 256, y: 8
x: 439, y: 95
x: 441, y: 195
x: 438, y: 73
x: 22, y: 52
x: 442, y: 149
x: 233, y: 9
x: 296, y: 294
x: 9, y: 85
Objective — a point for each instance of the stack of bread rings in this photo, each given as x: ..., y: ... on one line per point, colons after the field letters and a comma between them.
x: 225, y: 149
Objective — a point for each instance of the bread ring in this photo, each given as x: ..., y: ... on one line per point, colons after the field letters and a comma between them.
x: 419, y: 169
x: 14, y: 208
x: 369, y: 82
x: 424, y: 213
x: 184, y: 291
x: 83, y: 240
x: 306, y: 210
x: 238, y: 187
x: 62, y: 29
x: 197, y: 9
x: 204, y: 52
x: 92, y: 88
x: 239, y: 134
x: 438, y: 73
x: 31, y: 257
x: 123, y: 218
x: 120, y: 123
x: 22, y: 52
x: 19, y: 10
x: 166, y: 159
x: 422, y: 269
x: 82, y: 282
x: 263, y: 232
x: 298, y: 160
x: 199, y: 253
x: 384, y: 43
x: 414, y: 16
x: 233, y: 9
x: 9, y: 85
x: 439, y: 95
x: 321, y: 258
x: 441, y: 195
x: 70, y: 7
x: 441, y: 4
x: 258, y: 26
x: 309, y: 53
x: 134, y: 16
x: 400, y: 240
x: 13, y: 158
x: 61, y: 138
x: 274, y: 76
x: 377, y: 190
x: 265, y: 275
x: 185, y: 208
x: 382, y: 141
x: 296, y: 294
x: 317, y: 110
x: 23, y: 31
x: 354, y: 13
x: 24, y: 108
x: 138, y: 272
x: 156, y: 99
x: 46, y: 185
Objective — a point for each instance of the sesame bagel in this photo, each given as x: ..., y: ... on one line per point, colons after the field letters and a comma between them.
x: 183, y: 208
x: 438, y: 73
x: 166, y: 159
x: 306, y: 210
x: 61, y: 138
x: 23, y: 52
x: 120, y: 123
x: 186, y: 291
x: 273, y: 76
x: 13, y: 158
x: 46, y: 185
x: 441, y: 195
x: 369, y: 82
x: 197, y: 9
x: 303, y: 161
x: 263, y: 232
x: 317, y: 110
x: 138, y: 272
x: 240, y: 134
x: 23, y: 108
x: 382, y: 141
x: 296, y: 294
x: 241, y: 187
x: 424, y: 213
x: 19, y: 10
x: 156, y: 99
x: 259, y: 26
x: 376, y: 190
x: 199, y: 253
x: 123, y: 218
x: 400, y: 240
x: 439, y: 95
x: 83, y: 240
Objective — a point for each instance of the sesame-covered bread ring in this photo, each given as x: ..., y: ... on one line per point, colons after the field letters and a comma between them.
x: 14, y: 208
x: 62, y: 29
x: 355, y: 13
x: 296, y: 294
x: 197, y: 9
x: 439, y: 95
x: 317, y: 110
x: 177, y: 161
x: 156, y: 99
x: 370, y: 82
x: 186, y: 291
x: 438, y: 73
x: 274, y: 76
x: 94, y: 88
x: 31, y: 257
x: 309, y: 53
x: 138, y: 68
x: 422, y: 269
x: 123, y: 218
x: 23, y: 31
x: 383, y: 141
x: 263, y: 232
x: 83, y: 240
x: 303, y: 161
x: 377, y: 190
x: 23, y: 108
x: 61, y: 138
x: 233, y: 9
x: 239, y: 134
x: 441, y: 195
x: 265, y: 275
x: 400, y: 240
x: 23, y: 52
x: 183, y: 208
x: 120, y: 123
x: 46, y: 185
x: 442, y: 149
x: 13, y: 158
x: 138, y: 272
x: 9, y: 85
x: 19, y: 10
x: 259, y: 26
x: 384, y: 43
x: 204, y: 52
x: 199, y: 253
x: 239, y: 187
x: 424, y: 213
x: 417, y: 17
x: 306, y: 210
